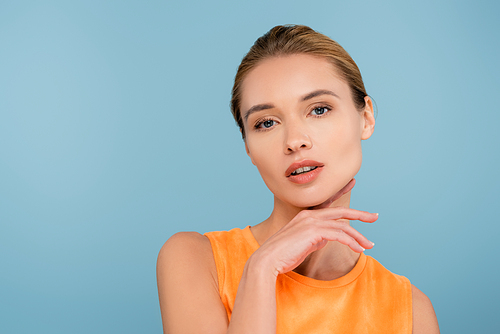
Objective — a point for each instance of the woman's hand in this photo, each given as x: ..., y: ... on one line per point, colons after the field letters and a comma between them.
x: 310, y: 230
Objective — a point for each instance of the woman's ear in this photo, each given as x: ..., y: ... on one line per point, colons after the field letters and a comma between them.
x: 368, y: 119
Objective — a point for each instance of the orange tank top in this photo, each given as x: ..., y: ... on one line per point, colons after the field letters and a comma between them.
x: 369, y: 299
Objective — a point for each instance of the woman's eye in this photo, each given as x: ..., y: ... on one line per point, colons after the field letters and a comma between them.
x: 266, y: 124
x: 319, y: 111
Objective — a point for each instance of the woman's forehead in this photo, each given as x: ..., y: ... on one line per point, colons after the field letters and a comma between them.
x: 290, y: 77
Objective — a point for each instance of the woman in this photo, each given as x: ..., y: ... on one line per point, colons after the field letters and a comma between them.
x: 302, y: 109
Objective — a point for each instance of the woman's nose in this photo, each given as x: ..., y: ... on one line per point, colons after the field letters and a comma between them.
x: 296, y: 139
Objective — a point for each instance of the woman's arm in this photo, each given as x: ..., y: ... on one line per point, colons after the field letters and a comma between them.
x: 187, y: 275
x: 255, y: 304
x: 424, y: 317
x: 189, y: 294
x: 188, y: 287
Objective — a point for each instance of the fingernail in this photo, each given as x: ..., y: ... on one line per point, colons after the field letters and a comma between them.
x: 376, y: 214
x: 373, y: 244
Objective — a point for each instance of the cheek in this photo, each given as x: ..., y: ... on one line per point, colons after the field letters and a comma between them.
x: 262, y: 154
x: 352, y: 160
x: 265, y: 156
x: 344, y: 145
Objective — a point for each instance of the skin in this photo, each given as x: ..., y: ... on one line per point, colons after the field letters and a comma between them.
x: 308, y: 230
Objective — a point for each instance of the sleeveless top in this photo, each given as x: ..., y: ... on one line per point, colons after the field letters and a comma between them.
x: 368, y: 299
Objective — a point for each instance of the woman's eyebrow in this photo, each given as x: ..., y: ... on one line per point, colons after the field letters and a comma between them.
x: 318, y: 93
x: 257, y: 107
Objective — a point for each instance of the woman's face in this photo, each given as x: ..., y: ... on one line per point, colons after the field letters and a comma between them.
x: 303, y: 131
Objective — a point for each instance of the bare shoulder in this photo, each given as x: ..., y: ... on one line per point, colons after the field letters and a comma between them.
x: 186, y: 258
x: 424, y: 317
x: 183, y: 239
x: 185, y: 246
x: 188, y: 287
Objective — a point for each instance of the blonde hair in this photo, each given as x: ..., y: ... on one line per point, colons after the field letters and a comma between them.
x: 297, y: 39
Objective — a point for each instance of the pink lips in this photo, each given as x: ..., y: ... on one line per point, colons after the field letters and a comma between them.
x: 305, y: 177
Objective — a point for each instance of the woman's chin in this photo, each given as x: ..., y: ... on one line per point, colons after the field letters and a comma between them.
x: 308, y: 202
x: 318, y: 198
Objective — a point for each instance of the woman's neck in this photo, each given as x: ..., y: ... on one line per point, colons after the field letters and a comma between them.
x: 332, y: 261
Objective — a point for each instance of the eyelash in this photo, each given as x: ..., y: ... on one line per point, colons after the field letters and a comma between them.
x: 259, y: 123
x: 328, y: 109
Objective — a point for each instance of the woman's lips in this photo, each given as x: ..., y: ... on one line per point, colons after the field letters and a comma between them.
x: 306, y: 176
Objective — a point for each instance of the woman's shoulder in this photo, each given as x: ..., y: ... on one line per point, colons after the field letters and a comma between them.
x: 181, y: 238
x: 185, y: 246
x: 378, y: 269
x: 195, y: 246
x: 186, y: 259
x: 424, y: 316
x: 188, y: 284
x: 185, y: 254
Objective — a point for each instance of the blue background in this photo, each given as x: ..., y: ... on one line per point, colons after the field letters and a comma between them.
x: 115, y: 133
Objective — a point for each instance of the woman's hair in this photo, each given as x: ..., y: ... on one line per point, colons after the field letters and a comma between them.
x: 297, y: 39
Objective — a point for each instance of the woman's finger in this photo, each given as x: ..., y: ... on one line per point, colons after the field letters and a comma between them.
x: 347, y: 230
x: 341, y: 213
x: 346, y: 239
